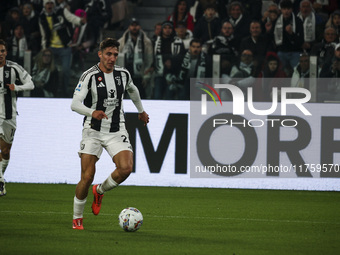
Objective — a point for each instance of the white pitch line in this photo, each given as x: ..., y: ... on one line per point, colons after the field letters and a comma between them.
x: 186, y: 217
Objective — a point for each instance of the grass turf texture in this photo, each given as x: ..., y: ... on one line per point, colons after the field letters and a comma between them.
x: 37, y: 219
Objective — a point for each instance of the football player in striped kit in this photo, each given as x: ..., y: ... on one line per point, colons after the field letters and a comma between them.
x: 99, y: 97
x: 10, y: 73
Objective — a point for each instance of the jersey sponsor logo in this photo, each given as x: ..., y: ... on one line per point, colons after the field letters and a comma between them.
x: 111, y: 102
x: 101, y: 85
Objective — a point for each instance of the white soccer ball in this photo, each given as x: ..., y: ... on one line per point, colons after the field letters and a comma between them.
x: 130, y: 219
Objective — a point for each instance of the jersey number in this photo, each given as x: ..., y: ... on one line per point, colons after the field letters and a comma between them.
x: 125, y: 139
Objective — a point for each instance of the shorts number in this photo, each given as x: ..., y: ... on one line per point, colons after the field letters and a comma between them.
x: 125, y: 139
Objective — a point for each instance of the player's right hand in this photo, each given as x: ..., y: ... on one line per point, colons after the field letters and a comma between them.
x: 99, y: 115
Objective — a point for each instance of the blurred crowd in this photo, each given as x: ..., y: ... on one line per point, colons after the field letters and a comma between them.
x: 250, y: 43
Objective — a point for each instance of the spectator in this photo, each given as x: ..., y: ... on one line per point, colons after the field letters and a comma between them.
x: 300, y: 77
x: 185, y: 34
x: 242, y: 74
x: 269, y: 18
x: 13, y: 17
x: 201, y: 5
x: 288, y: 36
x: 329, y: 89
x: 97, y: 18
x: 17, y: 45
x: 208, y: 26
x: 239, y: 21
x: 334, y: 21
x: 45, y: 75
x: 31, y: 28
x: 82, y: 41
x: 138, y: 54
x: 252, y: 9
x: 226, y: 46
x: 181, y: 13
x: 269, y: 78
x: 168, y: 50
x: 156, y: 32
x: 325, y: 49
x: 56, y: 31
x: 195, y: 64
x: 312, y: 24
x: 258, y: 43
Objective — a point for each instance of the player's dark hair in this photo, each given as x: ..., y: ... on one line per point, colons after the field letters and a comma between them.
x: 108, y: 43
x: 2, y: 42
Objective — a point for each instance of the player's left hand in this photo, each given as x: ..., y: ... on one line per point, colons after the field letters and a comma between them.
x: 144, y: 117
x: 11, y: 86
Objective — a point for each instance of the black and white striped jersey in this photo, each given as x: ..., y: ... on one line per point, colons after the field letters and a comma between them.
x: 97, y: 90
x: 12, y: 73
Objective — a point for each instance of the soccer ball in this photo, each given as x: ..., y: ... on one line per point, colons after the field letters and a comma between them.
x: 130, y: 219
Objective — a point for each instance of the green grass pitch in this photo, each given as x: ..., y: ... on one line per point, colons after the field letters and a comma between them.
x: 37, y: 219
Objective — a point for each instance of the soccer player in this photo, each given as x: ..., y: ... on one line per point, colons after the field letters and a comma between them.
x: 10, y: 72
x: 99, y: 96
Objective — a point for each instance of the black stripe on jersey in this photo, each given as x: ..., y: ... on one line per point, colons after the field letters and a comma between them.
x: 101, y: 97
x: 92, y: 69
x: 8, y: 96
x: 117, y: 76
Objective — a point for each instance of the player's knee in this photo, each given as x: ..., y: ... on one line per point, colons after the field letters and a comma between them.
x: 126, y: 169
x: 88, y: 178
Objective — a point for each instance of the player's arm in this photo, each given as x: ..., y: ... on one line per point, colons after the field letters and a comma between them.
x: 25, y: 78
x: 78, y: 106
x: 135, y: 97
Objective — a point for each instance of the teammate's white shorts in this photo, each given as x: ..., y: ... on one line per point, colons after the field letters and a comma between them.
x: 7, y: 130
x: 94, y: 141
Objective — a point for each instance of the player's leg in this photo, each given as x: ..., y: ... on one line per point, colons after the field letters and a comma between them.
x: 124, y: 164
x: 88, y: 169
x: 5, y: 154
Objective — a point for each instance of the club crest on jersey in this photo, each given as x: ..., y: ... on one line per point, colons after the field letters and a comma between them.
x: 100, y: 78
x: 6, y: 74
x: 118, y: 81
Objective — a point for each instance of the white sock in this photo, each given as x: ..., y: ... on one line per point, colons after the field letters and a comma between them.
x: 78, y: 207
x: 107, y: 185
x: 4, y: 165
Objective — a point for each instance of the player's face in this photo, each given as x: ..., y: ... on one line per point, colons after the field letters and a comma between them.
x: 108, y: 58
x: 3, y: 54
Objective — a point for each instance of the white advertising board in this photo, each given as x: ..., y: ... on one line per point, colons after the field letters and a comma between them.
x: 48, y: 137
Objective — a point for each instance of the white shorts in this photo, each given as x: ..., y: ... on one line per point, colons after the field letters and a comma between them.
x: 94, y: 141
x: 7, y: 130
